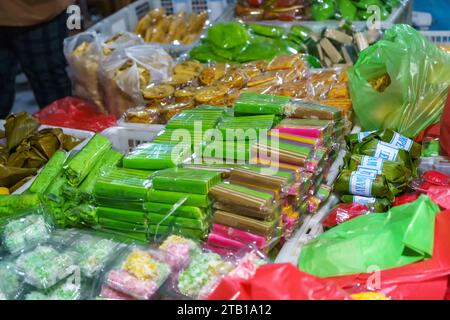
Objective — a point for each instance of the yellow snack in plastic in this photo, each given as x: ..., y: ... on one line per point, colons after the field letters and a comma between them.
x: 141, y: 265
x: 4, y: 191
x: 369, y: 296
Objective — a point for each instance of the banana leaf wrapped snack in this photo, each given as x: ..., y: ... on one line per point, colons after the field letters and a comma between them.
x: 356, y: 183
x: 19, y: 127
x: 388, y: 136
x: 395, y: 172
x: 385, y: 151
x: 374, y: 204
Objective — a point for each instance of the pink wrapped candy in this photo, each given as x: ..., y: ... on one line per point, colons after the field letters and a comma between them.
x: 109, y: 293
x: 123, y: 282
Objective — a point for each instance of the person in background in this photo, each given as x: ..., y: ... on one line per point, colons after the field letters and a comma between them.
x: 31, y: 36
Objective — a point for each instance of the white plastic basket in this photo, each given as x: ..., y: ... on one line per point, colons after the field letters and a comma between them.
x: 125, y: 138
x: 437, y: 37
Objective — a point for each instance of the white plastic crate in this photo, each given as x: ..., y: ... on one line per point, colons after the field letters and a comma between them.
x: 124, y: 139
x: 437, y: 37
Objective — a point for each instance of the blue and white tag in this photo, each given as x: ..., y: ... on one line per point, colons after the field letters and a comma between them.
x: 372, y: 163
x: 363, y: 200
x: 361, y: 184
x: 386, y: 151
x: 367, y: 171
x: 401, y: 142
x: 363, y: 134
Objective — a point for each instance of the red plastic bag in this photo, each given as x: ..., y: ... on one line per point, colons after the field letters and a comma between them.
x: 436, y: 177
x: 422, y: 280
x: 282, y: 281
x: 75, y: 113
x: 440, y: 195
x: 344, y: 212
x: 405, y: 198
x: 444, y: 138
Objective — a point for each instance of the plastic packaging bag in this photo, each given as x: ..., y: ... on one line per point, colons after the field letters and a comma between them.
x: 138, y: 273
x: 285, y: 281
x: 401, y: 236
x: 399, y: 99
x: 44, y: 266
x: 83, y: 54
x: 72, y: 112
x: 344, y: 212
x: 127, y: 72
x: 422, y: 280
x: 23, y: 233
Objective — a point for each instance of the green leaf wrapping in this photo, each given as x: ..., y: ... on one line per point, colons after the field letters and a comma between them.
x: 168, y: 197
x: 105, y: 164
x: 182, y: 211
x: 185, y: 180
x: 123, y: 184
x: 160, y: 231
x: 395, y: 172
x: 177, y: 222
x: 379, y: 186
x: 157, y: 156
x: 401, y: 236
x: 82, y: 163
x: 122, y: 225
x: 255, y: 103
x: 49, y: 173
x: 11, y: 205
x: 368, y: 147
x: 137, y: 217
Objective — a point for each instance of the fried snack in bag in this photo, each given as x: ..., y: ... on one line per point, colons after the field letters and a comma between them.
x: 126, y: 73
x: 83, y: 54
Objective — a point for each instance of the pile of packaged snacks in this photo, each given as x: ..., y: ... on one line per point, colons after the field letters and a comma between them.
x: 56, y: 265
x: 19, y: 234
x: 156, y: 156
x: 249, y: 209
x: 237, y: 42
x: 219, y: 84
x: 186, y: 208
x: 157, y: 26
x: 318, y: 10
x: 66, y: 184
x: 381, y: 165
x: 137, y: 273
x: 273, y: 10
x: 112, y: 71
x: 28, y: 149
x: 120, y: 196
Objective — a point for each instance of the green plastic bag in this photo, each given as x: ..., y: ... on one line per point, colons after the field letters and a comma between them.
x: 412, y: 76
x: 401, y: 236
x: 323, y: 9
x: 347, y: 9
x: 228, y: 35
